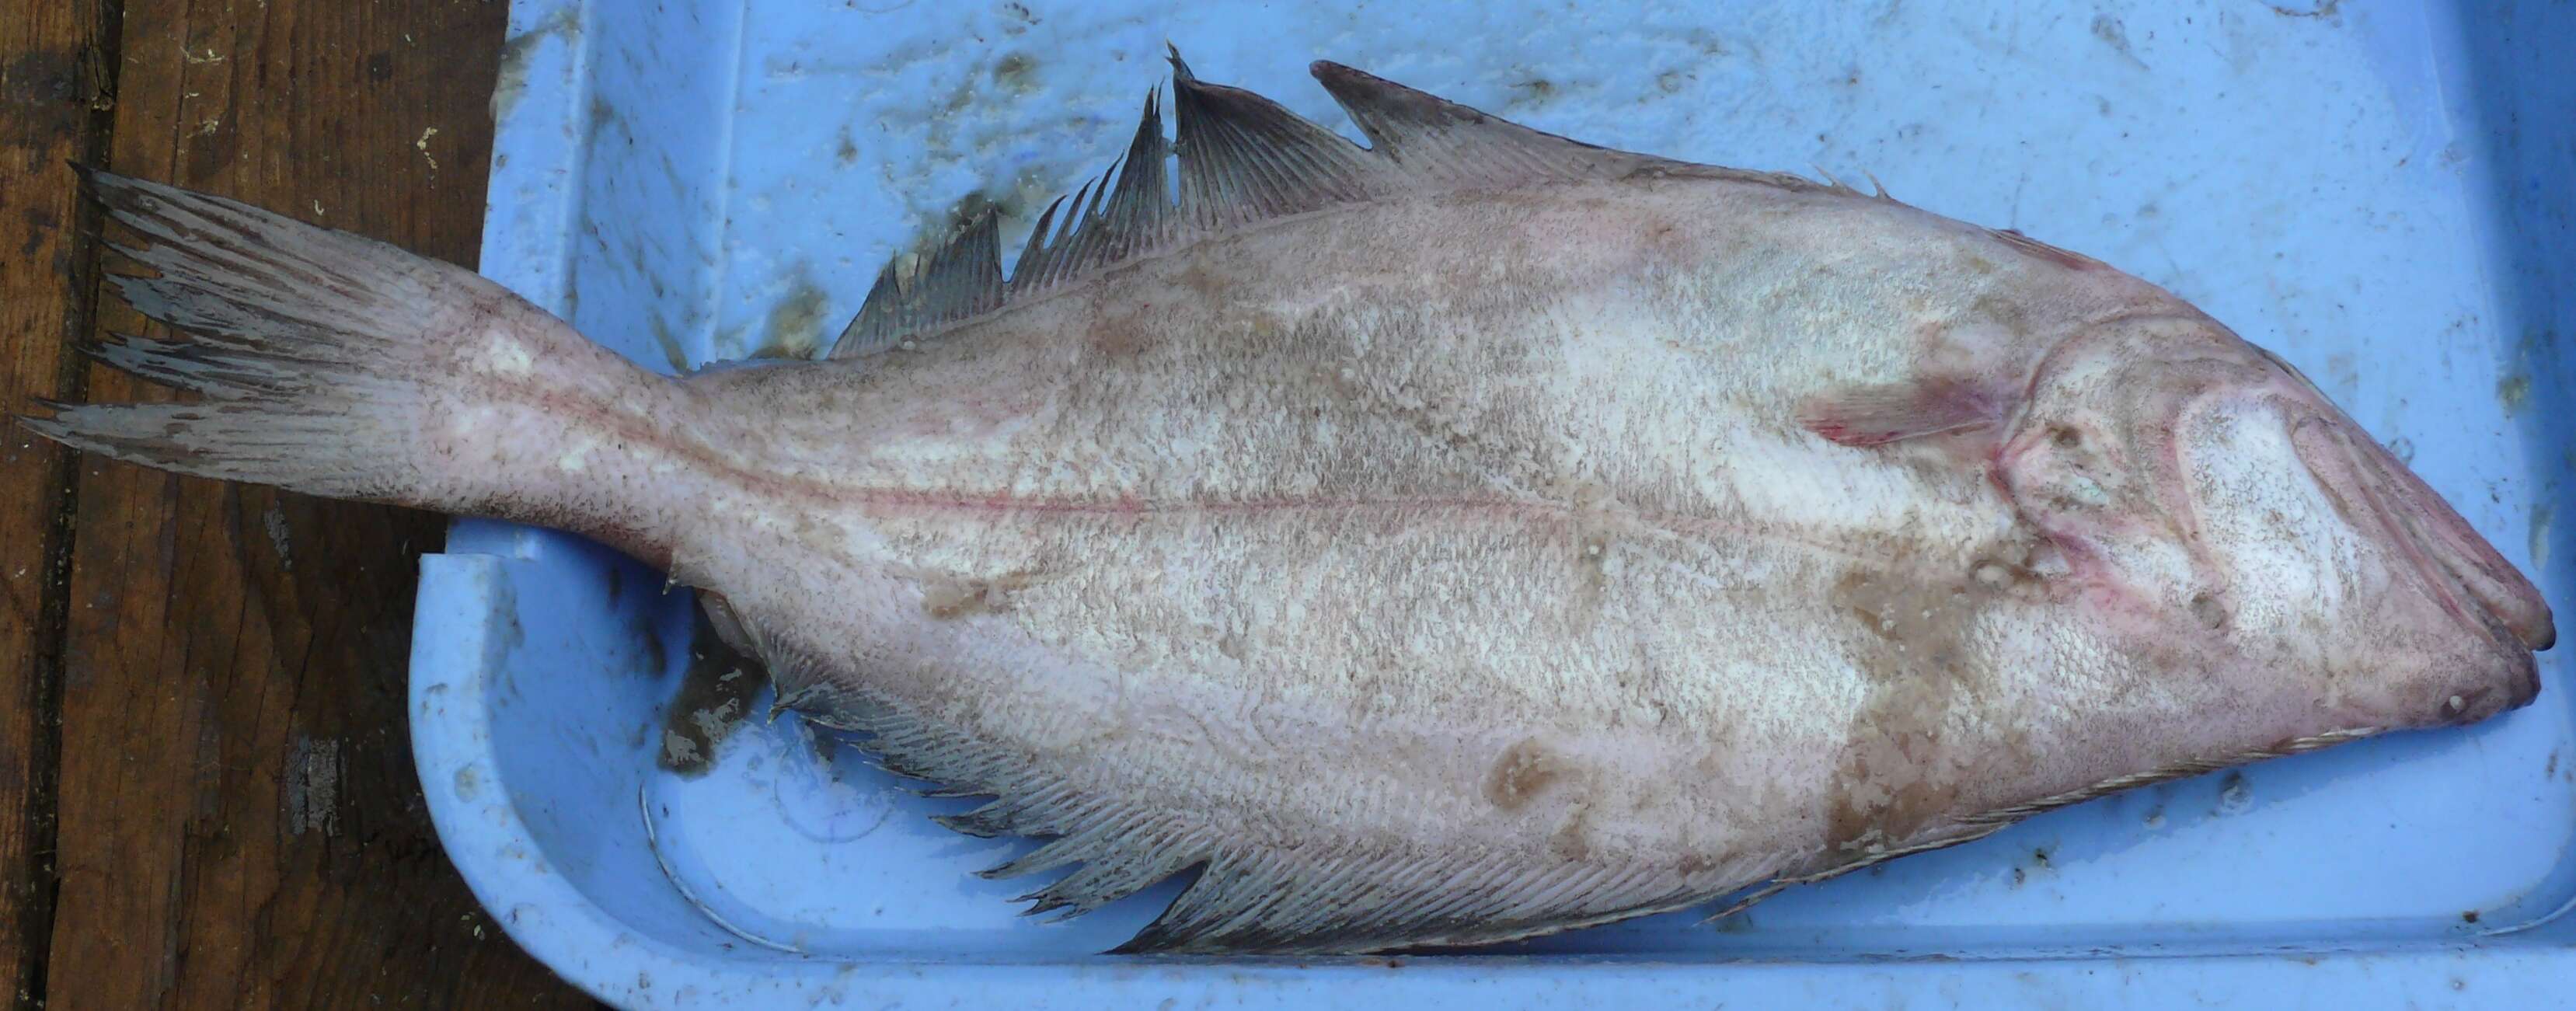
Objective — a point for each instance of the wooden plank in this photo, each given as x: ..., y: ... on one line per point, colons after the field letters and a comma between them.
x: 240, y: 822
x: 55, y: 86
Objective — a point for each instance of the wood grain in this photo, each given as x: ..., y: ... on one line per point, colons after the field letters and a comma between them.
x: 54, y: 96
x: 229, y: 798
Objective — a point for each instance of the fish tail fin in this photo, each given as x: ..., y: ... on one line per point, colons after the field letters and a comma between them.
x: 335, y: 365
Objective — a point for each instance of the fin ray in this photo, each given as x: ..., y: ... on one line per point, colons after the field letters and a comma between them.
x: 1248, y: 896
x: 1243, y: 159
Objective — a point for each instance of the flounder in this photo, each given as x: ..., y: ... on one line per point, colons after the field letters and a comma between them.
x: 1461, y: 537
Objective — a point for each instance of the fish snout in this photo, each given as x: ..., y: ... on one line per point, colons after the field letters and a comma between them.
x: 2441, y: 573
x: 2328, y: 555
x: 2369, y: 480
x: 2419, y: 525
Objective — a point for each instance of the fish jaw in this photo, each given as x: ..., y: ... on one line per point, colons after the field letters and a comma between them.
x: 2453, y: 552
x: 2442, y: 575
x: 2207, y: 494
x: 2474, y: 580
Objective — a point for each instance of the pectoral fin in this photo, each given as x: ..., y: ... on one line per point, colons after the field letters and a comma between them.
x: 1894, y: 412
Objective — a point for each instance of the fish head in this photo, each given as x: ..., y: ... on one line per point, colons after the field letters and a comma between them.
x: 2205, y: 496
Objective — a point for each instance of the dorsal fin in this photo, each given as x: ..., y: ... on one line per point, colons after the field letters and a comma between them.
x: 962, y: 278
x: 1451, y: 146
x: 1113, y: 225
x: 1243, y: 159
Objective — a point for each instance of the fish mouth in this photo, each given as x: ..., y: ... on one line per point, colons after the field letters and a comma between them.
x: 2473, y: 582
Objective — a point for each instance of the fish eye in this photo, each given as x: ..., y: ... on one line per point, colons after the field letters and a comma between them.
x: 2065, y: 437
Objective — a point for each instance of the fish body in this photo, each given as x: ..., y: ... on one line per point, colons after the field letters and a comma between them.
x: 1469, y: 536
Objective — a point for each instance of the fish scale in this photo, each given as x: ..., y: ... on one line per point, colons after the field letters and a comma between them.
x: 1468, y: 536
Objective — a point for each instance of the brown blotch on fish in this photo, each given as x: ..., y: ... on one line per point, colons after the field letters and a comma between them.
x: 1592, y: 579
x: 2003, y: 312
x: 1919, y: 622
x: 1572, y: 840
x: 1520, y: 774
x: 1119, y: 332
x: 1899, y: 765
x: 2211, y: 613
x: 1895, y: 780
x: 1205, y: 283
x: 950, y: 598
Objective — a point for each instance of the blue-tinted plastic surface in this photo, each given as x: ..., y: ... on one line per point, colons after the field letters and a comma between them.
x: 2380, y: 191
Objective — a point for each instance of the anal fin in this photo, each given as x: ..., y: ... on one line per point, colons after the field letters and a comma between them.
x: 1251, y: 894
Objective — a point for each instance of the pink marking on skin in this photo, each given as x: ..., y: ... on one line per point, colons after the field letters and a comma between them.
x: 722, y: 466
x: 2088, y: 577
x: 886, y: 500
x: 794, y: 490
x: 1878, y: 415
x: 1842, y: 434
x: 1131, y: 505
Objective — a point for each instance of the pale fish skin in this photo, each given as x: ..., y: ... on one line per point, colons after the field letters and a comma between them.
x: 1463, y: 554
